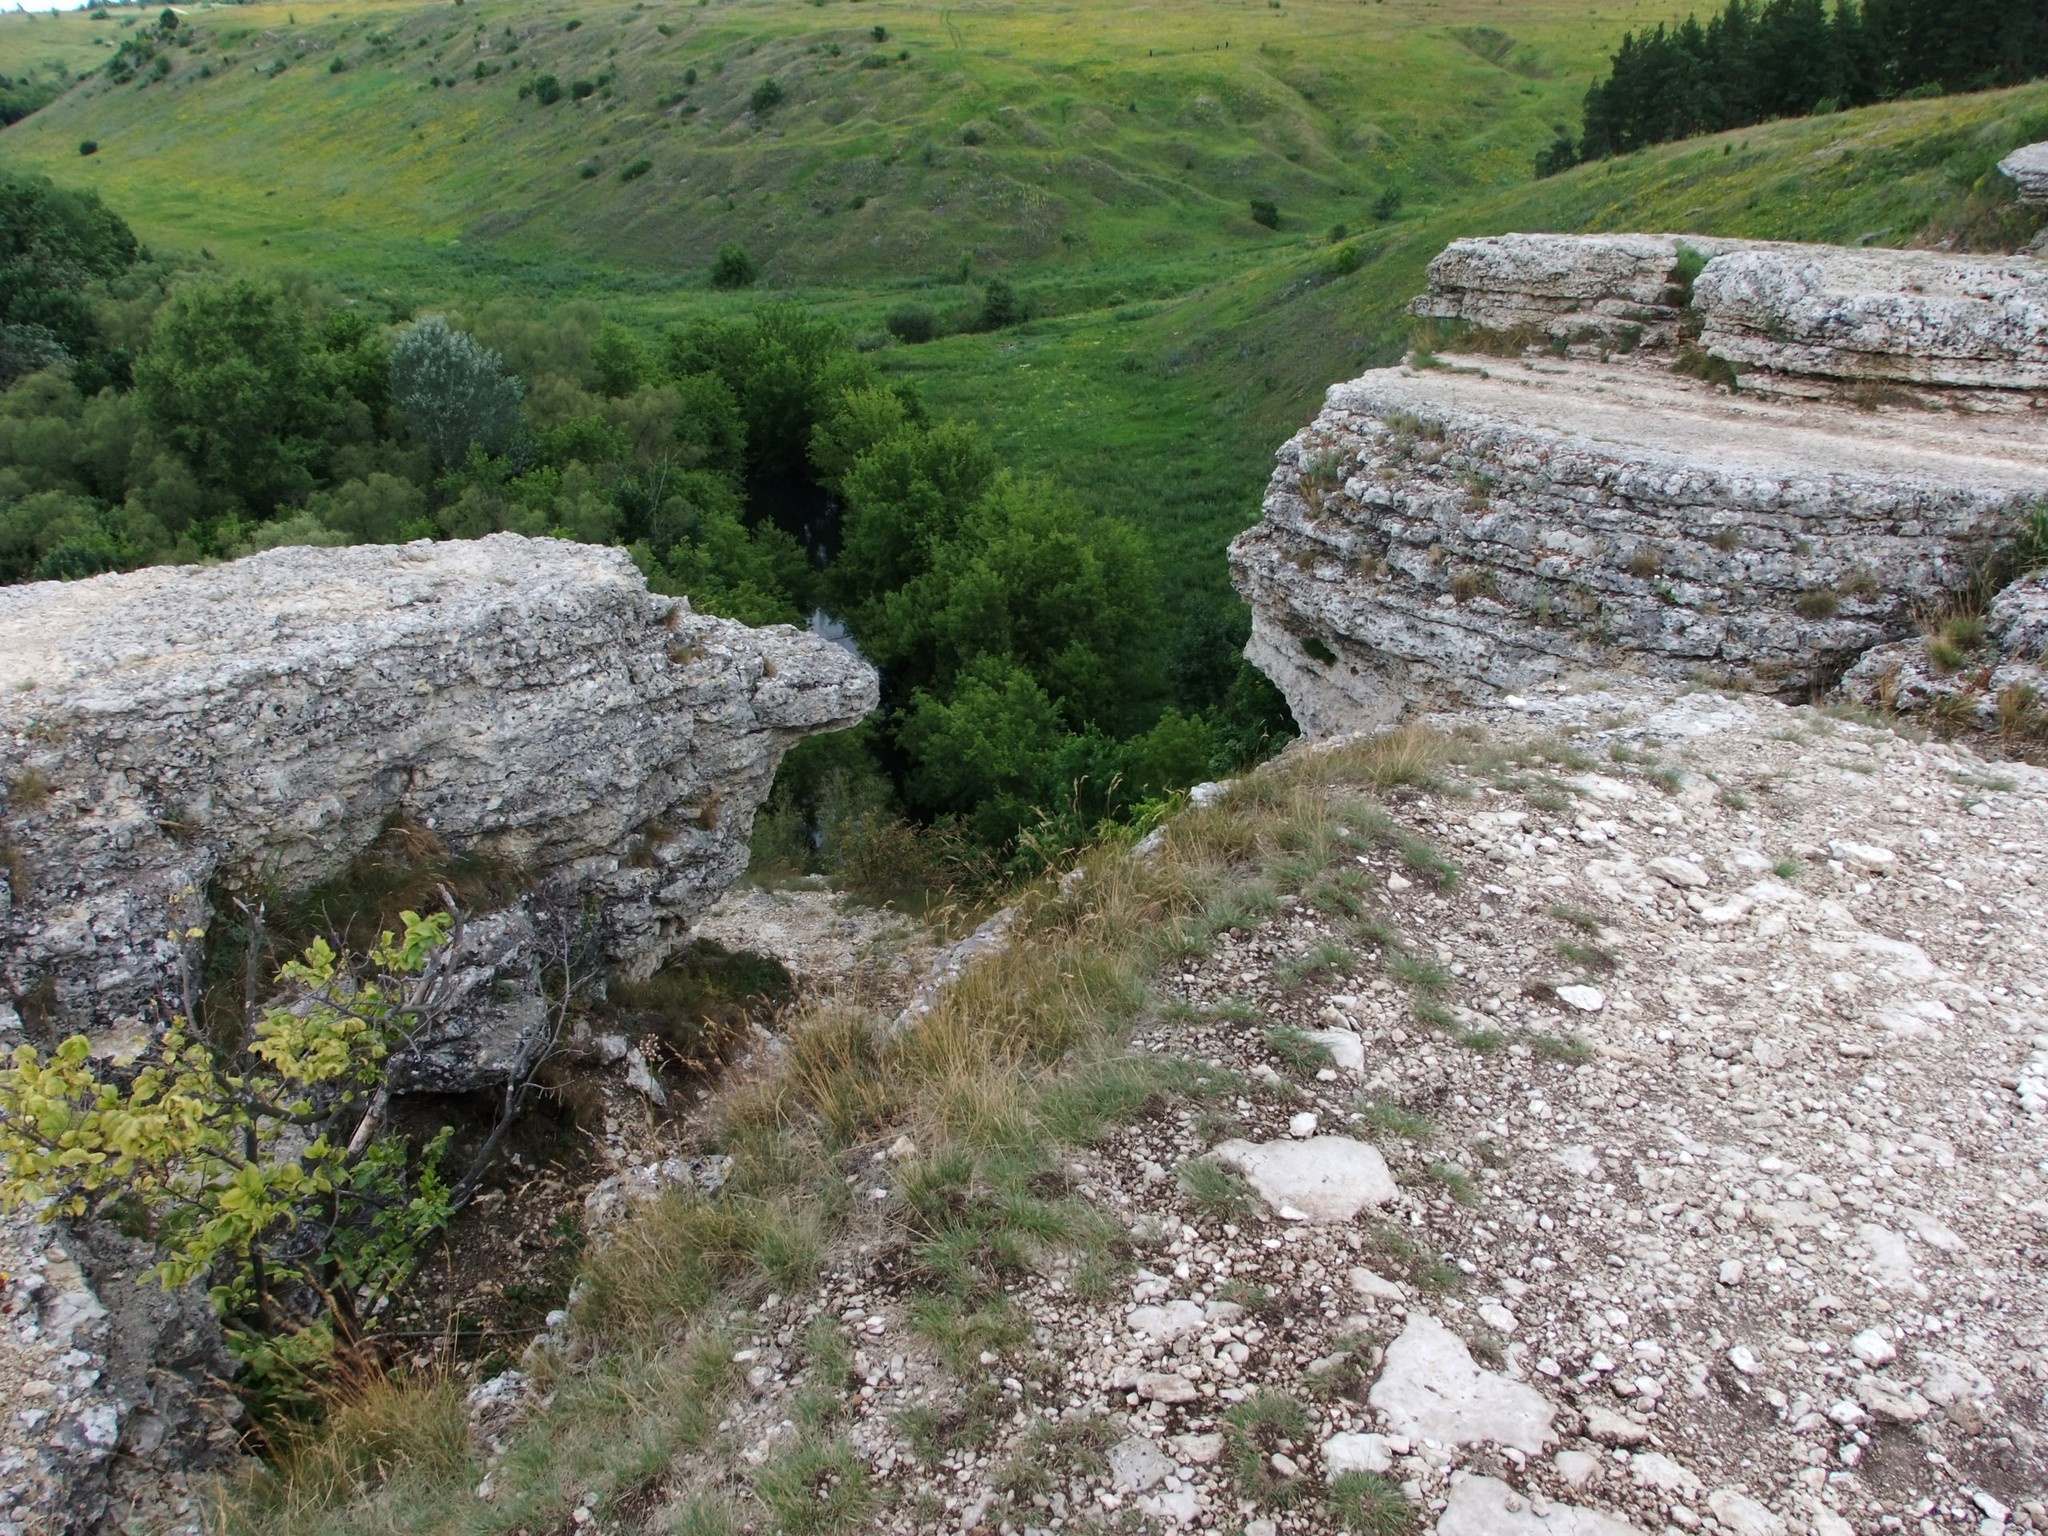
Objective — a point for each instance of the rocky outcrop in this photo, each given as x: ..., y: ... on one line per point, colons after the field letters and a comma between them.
x: 1615, y: 288
x: 1803, y: 311
x: 1909, y: 317
x: 177, y: 732
x: 1988, y: 674
x: 1479, y: 526
x: 2027, y: 168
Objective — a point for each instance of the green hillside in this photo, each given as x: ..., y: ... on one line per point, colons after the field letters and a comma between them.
x: 1076, y: 133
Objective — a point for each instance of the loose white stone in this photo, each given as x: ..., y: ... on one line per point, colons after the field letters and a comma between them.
x: 1136, y: 1464
x: 1584, y: 998
x: 1486, y: 1506
x: 1577, y: 1468
x: 1682, y: 873
x: 1865, y: 856
x: 1873, y: 1348
x: 1611, y: 1428
x: 1166, y: 1387
x: 1430, y: 1389
x: 1497, y: 1317
x: 1325, y: 1178
x: 1164, y: 1324
x: 1653, y: 1469
x: 1202, y: 1450
x: 1744, y: 1359
x: 1366, y: 1283
x: 1346, y: 1050
x: 1730, y: 1272
x: 1743, y: 1516
x: 1356, y: 1453
x: 1301, y: 1126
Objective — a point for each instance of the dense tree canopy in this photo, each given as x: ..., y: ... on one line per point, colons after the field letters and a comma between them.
x: 759, y: 466
x: 1784, y: 58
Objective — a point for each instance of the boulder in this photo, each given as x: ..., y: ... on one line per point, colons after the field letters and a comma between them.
x: 1617, y: 288
x: 182, y: 732
x: 1321, y: 1179
x: 2027, y: 169
x: 1908, y: 317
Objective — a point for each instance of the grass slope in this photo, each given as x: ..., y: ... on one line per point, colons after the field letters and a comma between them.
x: 1004, y: 132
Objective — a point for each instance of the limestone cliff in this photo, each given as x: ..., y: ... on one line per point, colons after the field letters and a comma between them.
x: 177, y: 731
x: 1473, y: 523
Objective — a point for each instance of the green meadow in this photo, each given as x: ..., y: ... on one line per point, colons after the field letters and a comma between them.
x: 1103, y: 159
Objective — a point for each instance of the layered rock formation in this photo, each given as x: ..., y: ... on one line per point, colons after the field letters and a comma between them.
x: 2027, y: 168
x: 176, y: 732
x: 1487, y: 523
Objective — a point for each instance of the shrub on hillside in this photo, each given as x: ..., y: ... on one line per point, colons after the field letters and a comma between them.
x: 452, y: 391
x: 1265, y: 211
x: 912, y: 323
x: 768, y: 95
x: 547, y: 90
x: 1000, y: 306
x: 732, y: 267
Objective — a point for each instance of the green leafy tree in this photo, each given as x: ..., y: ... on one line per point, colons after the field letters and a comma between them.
x: 903, y: 499
x: 452, y: 391
x: 236, y: 382
x: 1034, y: 578
x: 54, y: 244
x: 984, y: 750
x: 732, y: 267
x: 225, y: 1156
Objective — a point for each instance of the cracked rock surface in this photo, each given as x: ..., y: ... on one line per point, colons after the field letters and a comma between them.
x: 182, y: 727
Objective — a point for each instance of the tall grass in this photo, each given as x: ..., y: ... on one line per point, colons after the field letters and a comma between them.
x: 1023, y: 1054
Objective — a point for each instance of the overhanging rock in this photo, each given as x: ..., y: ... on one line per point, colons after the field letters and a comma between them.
x: 177, y: 731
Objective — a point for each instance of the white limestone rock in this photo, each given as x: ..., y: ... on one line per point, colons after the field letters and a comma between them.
x: 1918, y: 317
x: 1324, y: 1178
x: 1486, y: 1506
x: 1356, y: 1453
x: 1431, y: 1389
x: 1438, y: 536
x: 264, y: 720
x: 2027, y: 168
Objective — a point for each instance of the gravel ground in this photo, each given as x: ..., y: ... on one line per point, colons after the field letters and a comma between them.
x: 1711, y: 1198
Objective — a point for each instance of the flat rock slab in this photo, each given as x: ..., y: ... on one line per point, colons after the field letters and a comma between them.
x: 1320, y: 1179
x: 262, y: 721
x: 1431, y: 1389
x: 1919, y: 317
x: 1486, y: 1506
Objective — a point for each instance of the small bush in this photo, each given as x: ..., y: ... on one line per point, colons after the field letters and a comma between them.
x: 1265, y: 211
x: 690, y: 75
x: 89, y: 147
x: 1387, y: 204
x: 768, y: 95
x: 733, y: 267
x: 913, y: 323
x: 1818, y: 604
x: 636, y: 170
x: 547, y: 90
x: 582, y: 90
x: 1000, y: 306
